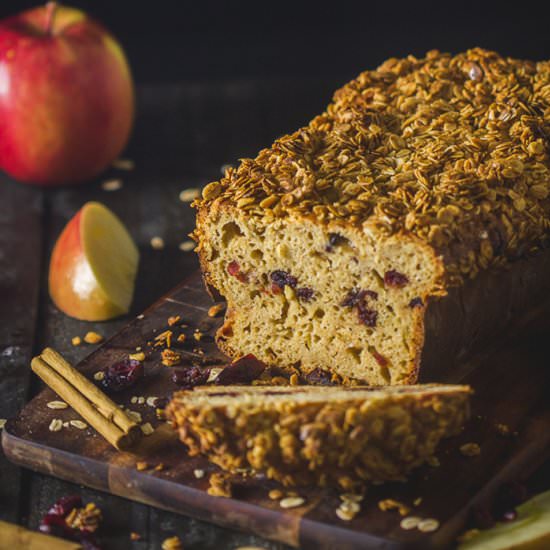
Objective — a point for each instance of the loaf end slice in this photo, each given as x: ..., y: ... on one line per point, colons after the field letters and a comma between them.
x: 304, y: 435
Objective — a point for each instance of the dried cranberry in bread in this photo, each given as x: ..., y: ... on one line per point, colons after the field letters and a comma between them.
x: 395, y: 228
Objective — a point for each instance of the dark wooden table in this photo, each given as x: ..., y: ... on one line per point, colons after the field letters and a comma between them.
x: 184, y: 134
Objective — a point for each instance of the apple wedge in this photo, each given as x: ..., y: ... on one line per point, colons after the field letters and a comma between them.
x: 93, y: 266
x: 530, y: 531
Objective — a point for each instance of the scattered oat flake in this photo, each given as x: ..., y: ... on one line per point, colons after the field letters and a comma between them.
x: 410, y: 522
x: 55, y: 425
x: 350, y: 506
x: 57, y: 405
x: 99, y: 375
x: 2, y: 423
x: 172, y: 543
x: 139, y: 356
x: 173, y: 320
x: 134, y: 415
x: 187, y: 246
x: 391, y: 504
x: 66, y: 424
x: 275, y: 494
x: 78, y: 424
x: 189, y: 195
x: 124, y: 164
x: 291, y: 502
x: 351, y: 497
x: 345, y: 515
x: 133, y: 399
x: 197, y: 335
x: 428, y: 525
x: 76, y: 340
x: 157, y: 243
x: 147, y: 429
x: 111, y: 185
x: 215, y: 310
x: 141, y: 465
x: 470, y: 449
x: 199, y: 474
x: 433, y: 461
x: 417, y: 501
x: 141, y: 400
x: 135, y: 536
x: 151, y: 401
x: 503, y: 429
x: 140, y: 316
x: 181, y: 338
x: 93, y: 338
x: 159, y: 467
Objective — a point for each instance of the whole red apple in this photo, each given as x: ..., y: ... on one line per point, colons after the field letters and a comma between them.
x: 66, y: 96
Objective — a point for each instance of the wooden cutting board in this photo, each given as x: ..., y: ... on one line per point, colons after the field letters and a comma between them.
x: 511, y: 385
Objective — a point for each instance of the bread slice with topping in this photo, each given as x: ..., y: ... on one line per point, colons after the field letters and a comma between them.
x: 322, y: 435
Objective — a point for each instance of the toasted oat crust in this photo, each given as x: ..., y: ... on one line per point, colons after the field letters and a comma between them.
x: 320, y: 435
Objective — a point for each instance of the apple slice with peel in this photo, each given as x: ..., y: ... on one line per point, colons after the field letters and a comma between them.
x: 93, y: 266
x: 529, y: 531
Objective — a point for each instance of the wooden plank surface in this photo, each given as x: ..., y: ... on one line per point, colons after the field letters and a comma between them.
x: 516, y: 370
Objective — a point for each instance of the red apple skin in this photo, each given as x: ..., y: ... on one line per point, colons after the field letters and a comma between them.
x: 66, y: 97
x: 71, y: 283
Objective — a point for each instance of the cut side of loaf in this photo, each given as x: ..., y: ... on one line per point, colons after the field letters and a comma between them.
x: 322, y: 435
x: 302, y: 296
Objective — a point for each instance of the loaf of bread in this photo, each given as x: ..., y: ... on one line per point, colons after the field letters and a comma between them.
x: 300, y: 435
x: 400, y: 225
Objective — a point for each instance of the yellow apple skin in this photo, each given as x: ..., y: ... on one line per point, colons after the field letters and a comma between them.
x: 73, y: 284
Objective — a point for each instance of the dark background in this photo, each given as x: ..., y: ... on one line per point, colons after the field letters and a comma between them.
x: 169, y: 40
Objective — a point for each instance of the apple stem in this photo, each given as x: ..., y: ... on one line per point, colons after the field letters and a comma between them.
x: 50, y: 16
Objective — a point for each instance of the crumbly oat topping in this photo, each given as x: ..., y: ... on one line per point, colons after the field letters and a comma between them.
x: 451, y: 149
x: 111, y: 185
x: 220, y: 485
x: 76, y: 341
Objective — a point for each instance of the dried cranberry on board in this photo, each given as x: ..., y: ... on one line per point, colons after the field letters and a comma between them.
x: 394, y: 279
x: 319, y: 377
x: 122, y: 375
x: 242, y: 371
x: 190, y: 377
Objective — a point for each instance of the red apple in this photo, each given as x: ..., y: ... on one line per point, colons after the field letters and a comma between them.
x: 66, y: 96
x: 93, y: 266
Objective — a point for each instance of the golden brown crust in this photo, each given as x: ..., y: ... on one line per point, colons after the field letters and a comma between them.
x: 453, y: 150
x: 335, y: 440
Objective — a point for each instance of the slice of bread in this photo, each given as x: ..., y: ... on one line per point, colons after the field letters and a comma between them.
x: 300, y: 435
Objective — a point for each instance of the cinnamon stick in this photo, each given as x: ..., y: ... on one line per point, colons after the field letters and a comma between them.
x: 106, y: 406
x: 86, y: 399
x: 16, y: 537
